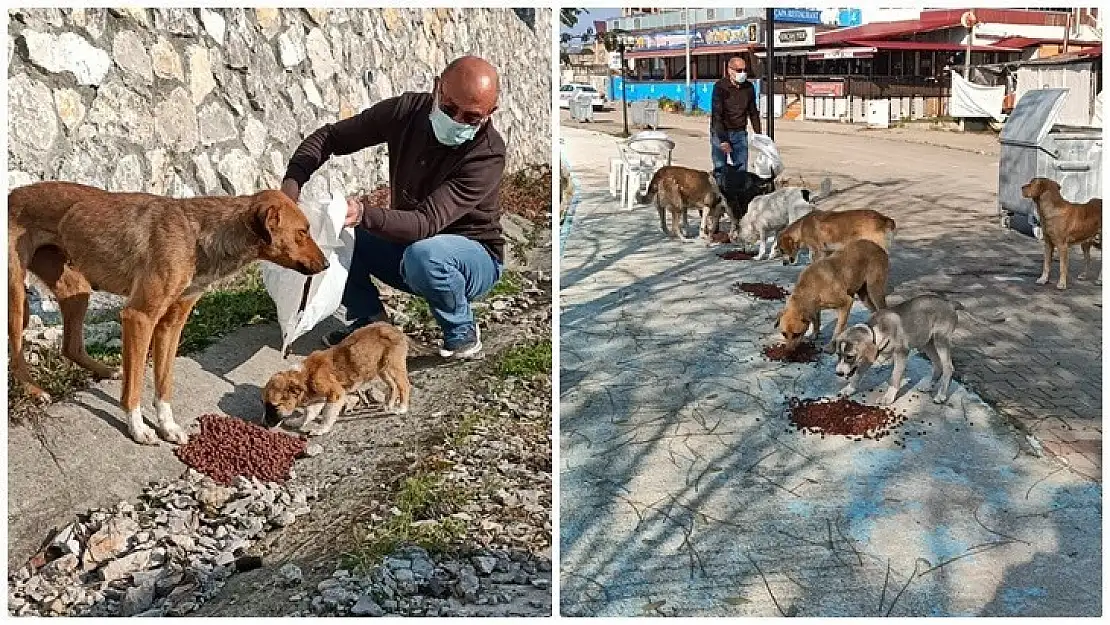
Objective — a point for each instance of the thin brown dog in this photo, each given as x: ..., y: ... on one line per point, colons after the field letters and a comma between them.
x: 160, y: 253
x: 676, y: 189
x: 860, y: 268
x: 328, y: 375
x: 821, y: 231
x: 1064, y: 224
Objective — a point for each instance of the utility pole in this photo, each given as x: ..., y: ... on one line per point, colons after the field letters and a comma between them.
x: 769, y: 37
x: 624, y: 84
x: 686, y: 15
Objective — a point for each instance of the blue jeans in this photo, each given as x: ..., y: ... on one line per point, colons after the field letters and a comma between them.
x: 738, y: 139
x: 447, y: 270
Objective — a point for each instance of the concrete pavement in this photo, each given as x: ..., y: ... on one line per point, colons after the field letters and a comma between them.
x: 683, y: 490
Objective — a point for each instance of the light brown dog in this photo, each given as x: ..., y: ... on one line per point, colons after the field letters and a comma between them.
x: 322, y: 382
x: 676, y: 189
x: 860, y: 268
x: 821, y: 231
x: 160, y: 253
x: 1064, y: 224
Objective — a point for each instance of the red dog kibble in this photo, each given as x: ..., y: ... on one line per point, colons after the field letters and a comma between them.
x: 804, y: 352
x: 762, y: 290
x: 842, y: 417
x: 227, y: 447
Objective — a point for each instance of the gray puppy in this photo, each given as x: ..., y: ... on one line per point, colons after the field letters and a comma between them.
x: 925, y: 323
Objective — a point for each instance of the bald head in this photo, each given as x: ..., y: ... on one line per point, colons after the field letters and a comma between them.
x: 468, y: 88
x: 737, y: 64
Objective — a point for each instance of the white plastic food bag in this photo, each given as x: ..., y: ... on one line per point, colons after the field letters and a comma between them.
x: 767, y: 162
x: 325, y: 290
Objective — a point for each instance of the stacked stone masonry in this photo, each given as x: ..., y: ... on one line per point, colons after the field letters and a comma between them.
x: 186, y: 102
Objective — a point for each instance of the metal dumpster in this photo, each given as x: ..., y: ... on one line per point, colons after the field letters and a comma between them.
x: 1033, y: 145
x: 582, y: 108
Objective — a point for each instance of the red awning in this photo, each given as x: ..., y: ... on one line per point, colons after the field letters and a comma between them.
x: 1020, y: 42
x: 680, y: 52
x: 929, y: 46
x: 885, y: 30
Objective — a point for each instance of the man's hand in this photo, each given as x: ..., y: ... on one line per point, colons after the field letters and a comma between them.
x: 726, y: 147
x: 354, y: 212
x: 289, y: 188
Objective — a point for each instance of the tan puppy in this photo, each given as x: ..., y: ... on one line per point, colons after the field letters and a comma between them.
x: 1064, y: 224
x: 859, y: 268
x: 821, y: 231
x: 675, y: 190
x: 160, y: 253
x: 324, y: 379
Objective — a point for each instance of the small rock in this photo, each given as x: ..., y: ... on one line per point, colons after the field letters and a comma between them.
x: 366, y: 606
x: 121, y: 567
x: 285, y: 519
x: 313, y: 449
x: 291, y: 573
x: 111, y: 540
x: 213, y: 497
x: 484, y: 564
x: 137, y: 599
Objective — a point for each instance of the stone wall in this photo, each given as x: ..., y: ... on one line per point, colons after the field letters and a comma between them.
x: 214, y: 101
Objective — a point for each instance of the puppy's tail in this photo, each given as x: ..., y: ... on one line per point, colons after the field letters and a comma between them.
x: 976, y: 318
x: 653, y: 188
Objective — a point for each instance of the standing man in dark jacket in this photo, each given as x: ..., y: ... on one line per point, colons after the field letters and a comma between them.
x: 734, y: 103
x: 440, y: 238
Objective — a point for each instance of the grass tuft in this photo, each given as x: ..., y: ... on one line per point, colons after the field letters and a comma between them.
x: 525, y: 361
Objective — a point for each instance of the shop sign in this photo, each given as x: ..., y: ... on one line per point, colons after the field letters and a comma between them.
x: 824, y: 89
x: 796, y: 37
x: 798, y: 16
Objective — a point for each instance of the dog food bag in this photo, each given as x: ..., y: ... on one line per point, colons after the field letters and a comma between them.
x: 767, y: 162
x: 304, y: 301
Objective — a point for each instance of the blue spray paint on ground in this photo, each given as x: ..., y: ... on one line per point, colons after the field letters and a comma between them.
x: 1017, y: 600
x: 867, y: 494
x: 943, y: 545
x: 801, y: 507
x: 947, y: 474
x: 568, y: 218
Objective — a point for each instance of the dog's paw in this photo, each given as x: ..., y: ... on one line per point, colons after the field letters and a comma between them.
x: 1082, y: 276
x: 847, y: 391
x: 1042, y: 280
x: 940, y: 398
x: 1061, y: 286
x: 143, y: 434
x: 888, y: 397
x: 174, y: 434
x: 44, y: 398
x: 399, y: 409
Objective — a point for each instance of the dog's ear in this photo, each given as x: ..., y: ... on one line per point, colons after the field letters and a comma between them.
x: 778, y: 317
x: 264, y: 217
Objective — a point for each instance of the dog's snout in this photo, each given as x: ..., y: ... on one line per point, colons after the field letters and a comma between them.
x: 270, y: 416
x: 326, y: 265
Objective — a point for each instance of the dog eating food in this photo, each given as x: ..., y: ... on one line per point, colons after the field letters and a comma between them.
x: 842, y: 417
x: 227, y: 447
x: 737, y: 255
x: 803, y: 352
x: 763, y: 290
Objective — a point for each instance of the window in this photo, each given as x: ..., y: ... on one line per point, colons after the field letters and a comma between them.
x: 567, y: 88
x: 710, y: 14
x: 636, y: 24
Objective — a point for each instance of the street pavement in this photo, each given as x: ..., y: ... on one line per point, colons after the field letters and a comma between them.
x: 685, y: 492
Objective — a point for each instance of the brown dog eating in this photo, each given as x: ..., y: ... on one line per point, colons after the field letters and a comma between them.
x: 1064, y: 224
x: 160, y: 253
x: 324, y: 379
x: 859, y: 268
x: 821, y: 231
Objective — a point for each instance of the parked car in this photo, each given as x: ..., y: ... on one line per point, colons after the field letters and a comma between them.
x: 566, y: 92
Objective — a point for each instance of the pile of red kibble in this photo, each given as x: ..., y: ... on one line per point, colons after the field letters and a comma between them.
x: 227, y: 447
x: 843, y: 417
x: 763, y: 290
x: 803, y: 352
x: 719, y: 237
x: 737, y: 255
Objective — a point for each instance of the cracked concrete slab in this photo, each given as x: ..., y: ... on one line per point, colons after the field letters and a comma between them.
x: 686, y: 492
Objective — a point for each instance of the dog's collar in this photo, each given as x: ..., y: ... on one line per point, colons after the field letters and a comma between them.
x: 874, y: 339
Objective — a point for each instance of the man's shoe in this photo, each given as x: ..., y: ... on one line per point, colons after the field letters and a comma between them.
x: 335, y: 338
x: 467, y: 347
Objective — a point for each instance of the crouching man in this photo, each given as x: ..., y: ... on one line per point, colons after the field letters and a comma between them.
x: 440, y: 238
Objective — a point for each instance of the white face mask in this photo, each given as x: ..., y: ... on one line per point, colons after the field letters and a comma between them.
x: 740, y: 76
x: 448, y: 131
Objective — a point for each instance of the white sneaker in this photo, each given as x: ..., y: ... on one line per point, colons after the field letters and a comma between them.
x: 466, y: 348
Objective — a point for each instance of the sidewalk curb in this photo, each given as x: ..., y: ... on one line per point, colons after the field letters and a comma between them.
x: 575, y: 198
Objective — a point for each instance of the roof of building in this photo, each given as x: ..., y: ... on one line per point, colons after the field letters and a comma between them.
x: 938, y: 19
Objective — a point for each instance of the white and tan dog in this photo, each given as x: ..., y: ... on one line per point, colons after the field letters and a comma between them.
x: 769, y: 214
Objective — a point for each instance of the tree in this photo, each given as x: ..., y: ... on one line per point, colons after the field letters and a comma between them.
x: 569, y: 17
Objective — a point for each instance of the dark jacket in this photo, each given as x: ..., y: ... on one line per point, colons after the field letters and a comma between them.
x: 733, y: 106
x: 435, y: 189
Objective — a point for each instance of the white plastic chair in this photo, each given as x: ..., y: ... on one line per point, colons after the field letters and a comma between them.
x: 642, y: 155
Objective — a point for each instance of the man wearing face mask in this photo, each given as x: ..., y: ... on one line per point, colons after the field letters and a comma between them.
x: 734, y: 104
x: 440, y: 238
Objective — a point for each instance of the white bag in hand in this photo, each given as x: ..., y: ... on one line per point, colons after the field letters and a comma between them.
x: 325, y: 292
x: 767, y: 162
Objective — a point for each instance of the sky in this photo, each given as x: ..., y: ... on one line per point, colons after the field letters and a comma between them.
x: 586, y: 20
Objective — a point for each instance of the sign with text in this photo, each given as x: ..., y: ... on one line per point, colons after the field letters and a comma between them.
x: 849, y: 17
x: 742, y: 34
x: 803, y: 37
x: 824, y: 89
x: 798, y: 16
